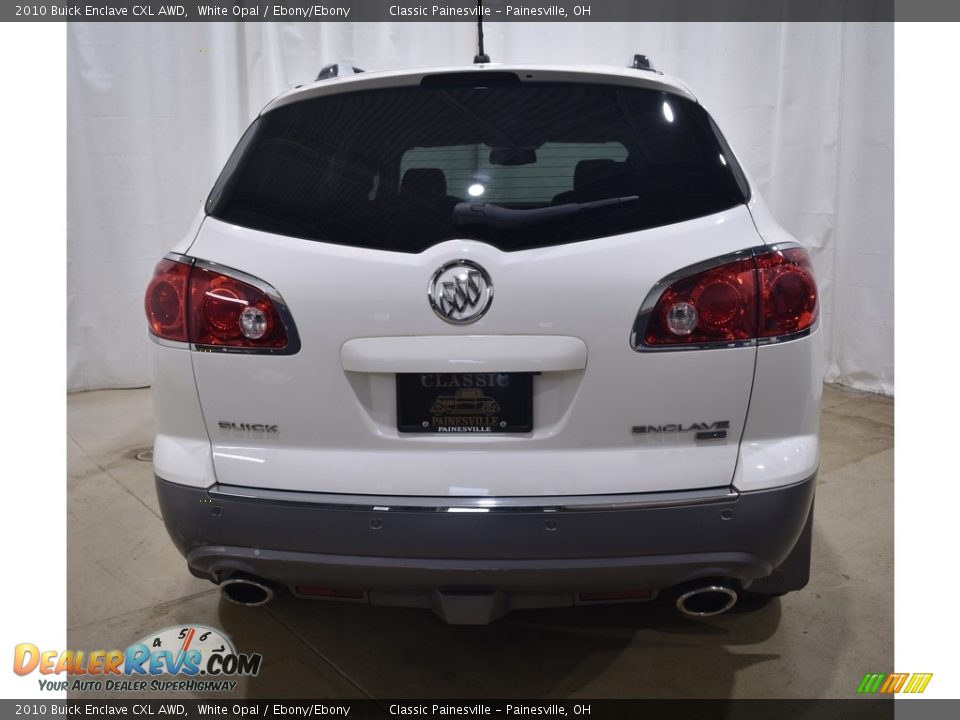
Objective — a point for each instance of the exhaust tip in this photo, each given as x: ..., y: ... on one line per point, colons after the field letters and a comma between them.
x: 707, y: 600
x: 246, y: 591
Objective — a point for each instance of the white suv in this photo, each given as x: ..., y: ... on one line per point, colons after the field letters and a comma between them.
x: 488, y: 337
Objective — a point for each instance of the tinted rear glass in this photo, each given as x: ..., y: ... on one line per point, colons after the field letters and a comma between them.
x: 518, y: 166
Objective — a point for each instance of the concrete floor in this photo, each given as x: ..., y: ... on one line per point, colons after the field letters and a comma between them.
x: 126, y: 580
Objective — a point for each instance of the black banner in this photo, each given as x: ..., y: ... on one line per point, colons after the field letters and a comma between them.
x: 493, y: 10
x: 853, y: 709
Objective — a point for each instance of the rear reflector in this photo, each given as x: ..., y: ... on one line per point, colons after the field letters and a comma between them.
x: 189, y: 303
x: 770, y: 294
x: 318, y: 591
x: 619, y: 595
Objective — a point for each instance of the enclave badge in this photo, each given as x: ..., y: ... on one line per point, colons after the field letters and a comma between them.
x: 460, y: 292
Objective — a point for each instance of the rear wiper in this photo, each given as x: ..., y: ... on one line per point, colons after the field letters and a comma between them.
x: 471, y: 213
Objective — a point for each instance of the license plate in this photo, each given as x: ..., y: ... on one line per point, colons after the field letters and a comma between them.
x: 465, y: 403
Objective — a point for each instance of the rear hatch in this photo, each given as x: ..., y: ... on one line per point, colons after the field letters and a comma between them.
x: 464, y: 263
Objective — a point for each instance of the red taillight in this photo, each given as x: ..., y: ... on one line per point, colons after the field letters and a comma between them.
x: 194, y: 304
x: 770, y: 294
x: 717, y: 305
x: 166, y: 301
x: 227, y: 312
x: 788, y: 292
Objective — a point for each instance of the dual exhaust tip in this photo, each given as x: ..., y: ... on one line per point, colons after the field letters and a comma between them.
x: 699, y: 601
x: 712, y: 598
x: 247, y: 591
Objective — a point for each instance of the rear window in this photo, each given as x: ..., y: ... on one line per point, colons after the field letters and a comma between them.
x: 518, y: 166
x: 539, y: 182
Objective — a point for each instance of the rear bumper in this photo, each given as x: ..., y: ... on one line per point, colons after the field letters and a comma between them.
x: 387, y: 547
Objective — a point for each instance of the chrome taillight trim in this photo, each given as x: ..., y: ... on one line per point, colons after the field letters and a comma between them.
x: 653, y: 297
x: 163, y: 342
x: 293, y: 337
x: 776, y: 339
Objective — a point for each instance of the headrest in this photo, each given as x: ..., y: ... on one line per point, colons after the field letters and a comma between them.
x: 424, y: 183
x: 587, y: 172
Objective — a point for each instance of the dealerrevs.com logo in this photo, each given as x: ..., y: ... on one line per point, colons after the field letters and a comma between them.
x: 191, y: 658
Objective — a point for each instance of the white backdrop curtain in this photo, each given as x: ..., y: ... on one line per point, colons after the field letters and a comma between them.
x: 154, y: 109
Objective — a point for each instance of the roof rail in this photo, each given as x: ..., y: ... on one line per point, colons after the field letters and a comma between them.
x: 337, y: 70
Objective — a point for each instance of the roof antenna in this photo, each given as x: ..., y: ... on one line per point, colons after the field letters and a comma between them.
x: 481, y: 56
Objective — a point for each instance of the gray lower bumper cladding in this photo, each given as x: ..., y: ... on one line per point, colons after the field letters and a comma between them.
x: 518, y: 551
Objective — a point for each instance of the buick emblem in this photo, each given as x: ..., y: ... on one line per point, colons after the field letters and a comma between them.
x: 460, y: 292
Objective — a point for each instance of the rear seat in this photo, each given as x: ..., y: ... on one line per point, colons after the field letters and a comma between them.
x: 595, y: 180
x: 422, y: 208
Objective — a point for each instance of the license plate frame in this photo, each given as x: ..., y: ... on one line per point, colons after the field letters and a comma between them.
x: 465, y: 403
